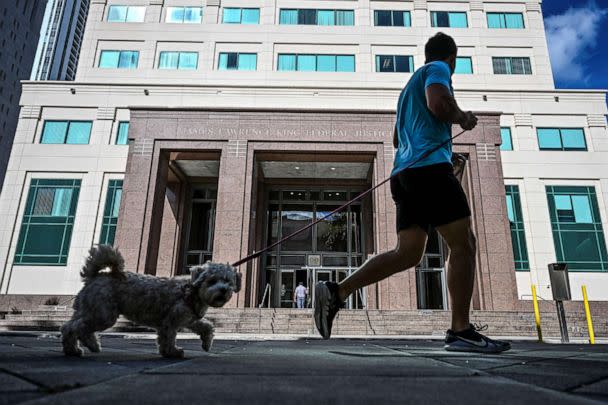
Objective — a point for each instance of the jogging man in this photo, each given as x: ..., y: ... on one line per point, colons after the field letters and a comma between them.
x: 426, y: 195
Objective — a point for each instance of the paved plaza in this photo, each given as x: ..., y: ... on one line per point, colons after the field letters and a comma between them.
x: 257, y: 370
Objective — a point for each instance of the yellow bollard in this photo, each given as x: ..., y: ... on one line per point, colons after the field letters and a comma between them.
x: 537, y: 314
x: 588, y: 314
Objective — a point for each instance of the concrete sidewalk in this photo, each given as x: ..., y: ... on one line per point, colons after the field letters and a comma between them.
x: 351, y: 371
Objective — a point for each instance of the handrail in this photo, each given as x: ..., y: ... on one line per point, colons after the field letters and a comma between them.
x: 266, y: 291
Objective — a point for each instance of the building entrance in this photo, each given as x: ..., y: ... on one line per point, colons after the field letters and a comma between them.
x: 430, y: 275
x: 329, y: 251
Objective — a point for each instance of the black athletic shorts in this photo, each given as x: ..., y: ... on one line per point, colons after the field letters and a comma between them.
x: 428, y: 196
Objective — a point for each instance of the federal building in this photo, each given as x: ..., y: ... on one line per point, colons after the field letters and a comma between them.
x: 206, y: 130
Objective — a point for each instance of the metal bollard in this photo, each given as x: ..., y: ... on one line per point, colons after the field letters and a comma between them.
x: 537, y: 314
x: 588, y: 315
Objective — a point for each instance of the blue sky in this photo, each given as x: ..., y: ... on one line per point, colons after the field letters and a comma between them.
x: 577, y: 35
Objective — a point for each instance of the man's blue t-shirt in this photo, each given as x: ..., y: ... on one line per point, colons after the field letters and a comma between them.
x: 417, y: 129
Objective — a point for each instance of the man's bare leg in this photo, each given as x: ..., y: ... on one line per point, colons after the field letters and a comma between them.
x: 461, y: 269
x: 408, y: 253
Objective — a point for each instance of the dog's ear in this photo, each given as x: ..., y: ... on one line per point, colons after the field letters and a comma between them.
x: 238, y: 282
x: 197, y: 275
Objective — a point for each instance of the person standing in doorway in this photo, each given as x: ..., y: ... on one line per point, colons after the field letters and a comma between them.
x: 426, y: 194
x: 299, y: 296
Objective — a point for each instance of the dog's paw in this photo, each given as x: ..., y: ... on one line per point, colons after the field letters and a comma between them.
x: 73, y: 351
x: 207, y: 342
x: 175, y: 353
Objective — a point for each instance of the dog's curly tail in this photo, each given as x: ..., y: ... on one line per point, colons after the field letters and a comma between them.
x: 102, y: 257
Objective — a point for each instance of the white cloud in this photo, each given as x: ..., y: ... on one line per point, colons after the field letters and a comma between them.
x: 571, y: 37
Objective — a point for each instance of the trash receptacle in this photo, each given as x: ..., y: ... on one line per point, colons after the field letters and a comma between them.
x: 560, y: 283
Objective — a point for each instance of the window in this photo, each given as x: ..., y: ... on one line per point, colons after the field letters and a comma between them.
x: 511, y: 66
x: 237, y: 61
x: 241, y: 16
x: 518, y: 236
x: 567, y: 139
x: 505, y: 20
x: 46, y: 230
x: 66, y: 132
x: 394, y: 63
x: 449, y: 19
x: 119, y: 59
x: 318, y: 63
x: 122, y: 137
x: 392, y: 18
x: 185, y: 15
x: 110, y: 213
x: 464, y: 65
x: 577, y: 228
x: 178, y: 60
x: 126, y: 14
x: 505, y: 135
x: 316, y: 17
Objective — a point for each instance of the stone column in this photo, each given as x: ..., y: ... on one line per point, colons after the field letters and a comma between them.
x: 231, y: 220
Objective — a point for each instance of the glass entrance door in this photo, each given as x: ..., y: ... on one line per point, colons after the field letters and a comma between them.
x: 430, y: 275
x: 288, y: 286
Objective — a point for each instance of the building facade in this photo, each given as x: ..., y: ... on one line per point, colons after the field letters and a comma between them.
x: 60, y: 40
x: 19, y: 29
x: 200, y: 130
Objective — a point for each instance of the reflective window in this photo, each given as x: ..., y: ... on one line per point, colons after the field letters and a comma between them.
x: 505, y: 135
x: 511, y: 66
x: 122, y: 137
x: 316, y: 17
x: 518, y: 236
x: 119, y: 59
x: 67, y: 132
x: 464, y: 65
x: 185, y: 15
x: 178, y: 60
x: 48, y: 220
x: 392, y: 18
x: 110, y: 214
x: 506, y: 20
x: 126, y: 14
x: 241, y: 16
x: 318, y: 63
x: 449, y: 19
x: 237, y: 61
x: 567, y: 139
x: 394, y: 63
x: 577, y: 228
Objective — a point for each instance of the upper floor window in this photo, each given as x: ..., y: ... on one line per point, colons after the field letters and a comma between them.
x: 511, y: 66
x: 505, y: 20
x: 110, y: 212
x: 561, y: 139
x: 394, y: 63
x: 126, y: 14
x: 186, y: 15
x: 449, y: 19
x: 241, y: 16
x: 237, y: 61
x: 317, y: 63
x: 392, y: 18
x: 178, y: 60
x: 464, y: 65
x: 316, y: 17
x: 119, y: 59
x: 66, y: 132
x: 516, y: 222
x: 122, y: 137
x: 507, y: 142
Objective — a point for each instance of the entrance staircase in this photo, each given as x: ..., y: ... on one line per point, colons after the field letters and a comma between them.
x: 348, y: 323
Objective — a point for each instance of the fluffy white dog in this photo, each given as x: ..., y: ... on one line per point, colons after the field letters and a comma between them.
x: 166, y: 304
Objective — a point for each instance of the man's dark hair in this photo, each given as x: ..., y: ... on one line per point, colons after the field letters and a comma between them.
x: 439, y: 47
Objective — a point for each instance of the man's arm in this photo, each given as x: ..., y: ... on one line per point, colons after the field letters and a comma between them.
x: 395, y: 138
x: 443, y: 106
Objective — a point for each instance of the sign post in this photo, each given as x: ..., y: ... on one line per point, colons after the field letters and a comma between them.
x: 560, y: 286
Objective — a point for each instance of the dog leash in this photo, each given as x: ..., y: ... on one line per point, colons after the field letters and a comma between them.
x: 340, y: 208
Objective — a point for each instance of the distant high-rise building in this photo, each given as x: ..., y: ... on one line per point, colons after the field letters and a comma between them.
x: 20, y: 22
x: 60, y: 40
